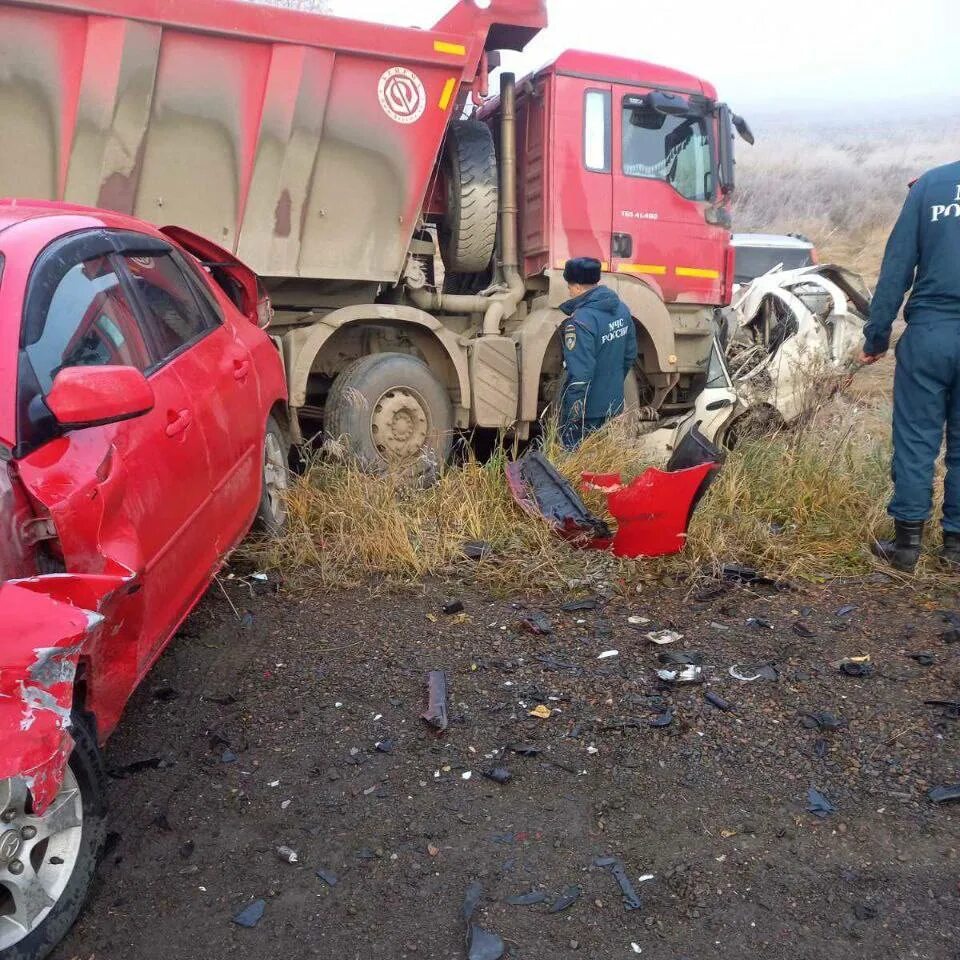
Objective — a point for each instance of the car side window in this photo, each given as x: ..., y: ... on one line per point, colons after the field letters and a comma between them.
x: 173, y: 316
x: 89, y: 322
x: 596, y: 130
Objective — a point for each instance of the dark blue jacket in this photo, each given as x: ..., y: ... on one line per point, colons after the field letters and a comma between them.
x: 923, y: 252
x: 599, y: 348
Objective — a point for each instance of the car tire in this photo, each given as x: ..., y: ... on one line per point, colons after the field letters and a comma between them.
x: 86, y: 773
x: 274, y: 479
x: 391, y: 411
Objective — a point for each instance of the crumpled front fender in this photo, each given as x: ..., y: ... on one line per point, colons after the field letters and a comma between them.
x: 42, y: 639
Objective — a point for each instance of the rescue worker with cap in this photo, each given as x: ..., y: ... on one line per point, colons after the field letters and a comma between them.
x: 599, y: 350
x: 923, y: 252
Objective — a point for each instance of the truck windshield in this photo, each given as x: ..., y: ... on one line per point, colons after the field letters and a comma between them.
x: 673, y: 149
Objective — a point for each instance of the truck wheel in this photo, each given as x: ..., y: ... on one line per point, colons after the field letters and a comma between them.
x: 391, y: 410
x: 49, y: 861
x: 272, y: 512
x: 469, y: 228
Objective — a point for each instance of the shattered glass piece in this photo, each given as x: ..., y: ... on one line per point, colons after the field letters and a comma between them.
x: 251, y: 914
x: 566, y: 899
x: 328, y: 877
x: 689, y: 674
x: 818, y: 804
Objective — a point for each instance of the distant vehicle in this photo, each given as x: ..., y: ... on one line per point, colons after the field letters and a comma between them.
x: 759, y: 253
x: 143, y: 428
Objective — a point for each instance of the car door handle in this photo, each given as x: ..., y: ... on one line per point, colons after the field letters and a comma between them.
x: 241, y: 369
x: 177, y: 422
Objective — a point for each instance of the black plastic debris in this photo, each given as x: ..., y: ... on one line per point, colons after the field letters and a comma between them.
x: 662, y: 719
x: 951, y: 636
x: 822, y: 721
x: 221, y: 699
x: 499, y: 775
x: 165, y: 693
x: 537, y: 623
x: 138, y: 766
x: 951, y: 708
x: 945, y: 793
x: 760, y: 623
x: 735, y: 573
x: 821, y: 748
x: 484, y: 945
x: 329, y: 878
x: 846, y: 610
x: 471, y: 900
x: 454, y: 606
x: 715, y: 700
x: 383, y: 746
x: 853, y: 669
x: 550, y: 662
x: 523, y: 749
x: 865, y: 911
x: 436, y: 712
x: 616, y: 869
x: 818, y: 804
x: 540, y: 490
x: 527, y: 899
x: 228, y: 756
x: 924, y: 658
x: 572, y: 606
x: 802, y: 630
x: 566, y: 899
x: 477, y: 550
x: 251, y: 914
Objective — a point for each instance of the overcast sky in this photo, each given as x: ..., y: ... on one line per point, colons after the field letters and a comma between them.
x: 759, y: 53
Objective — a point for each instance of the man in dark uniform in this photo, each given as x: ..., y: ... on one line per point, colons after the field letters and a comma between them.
x: 923, y: 252
x: 599, y: 350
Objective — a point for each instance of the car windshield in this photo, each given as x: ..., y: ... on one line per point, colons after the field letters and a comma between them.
x: 673, y: 149
x: 753, y: 262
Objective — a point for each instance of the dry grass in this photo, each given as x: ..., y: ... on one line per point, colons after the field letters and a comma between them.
x: 799, y: 504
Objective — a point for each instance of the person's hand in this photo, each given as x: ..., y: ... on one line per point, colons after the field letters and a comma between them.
x: 867, y: 358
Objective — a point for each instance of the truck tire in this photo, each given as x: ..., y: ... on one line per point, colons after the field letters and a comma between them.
x: 81, y: 801
x: 469, y: 229
x: 392, y: 412
x: 272, y: 511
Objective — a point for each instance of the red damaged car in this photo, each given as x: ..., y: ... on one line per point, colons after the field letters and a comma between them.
x: 142, y: 431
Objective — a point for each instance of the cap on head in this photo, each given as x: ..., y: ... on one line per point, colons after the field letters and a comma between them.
x: 582, y: 270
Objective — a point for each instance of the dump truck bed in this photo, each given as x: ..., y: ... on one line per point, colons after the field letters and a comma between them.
x: 304, y: 143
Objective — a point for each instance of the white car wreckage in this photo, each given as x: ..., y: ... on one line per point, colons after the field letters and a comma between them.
x: 789, y: 339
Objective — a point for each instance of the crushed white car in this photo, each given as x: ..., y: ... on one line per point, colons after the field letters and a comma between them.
x: 789, y: 339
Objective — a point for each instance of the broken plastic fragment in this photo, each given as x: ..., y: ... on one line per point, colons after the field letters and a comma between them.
x: 471, y: 900
x: 499, y: 775
x: 572, y: 606
x: 822, y: 721
x: 802, y: 630
x: 846, y: 610
x: 527, y: 899
x: 748, y: 674
x: 760, y: 623
x: 715, y: 700
x: 945, y: 793
x: 663, y: 719
x: 664, y: 636
x: 818, y: 804
x: 287, y: 854
x: 615, y: 867
x: 436, y: 712
x: 541, y: 712
x: 537, y: 623
x: 566, y: 899
x: 924, y: 659
x: 523, y: 749
x: 477, y: 549
x: 638, y: 621
x: 483, y: 945
x: 607, y: 654
x: 251, y: 914
x: 329, y: 878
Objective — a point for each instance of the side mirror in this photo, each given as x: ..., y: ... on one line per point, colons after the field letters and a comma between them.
x: 743, y: 128
x: 91, y: 396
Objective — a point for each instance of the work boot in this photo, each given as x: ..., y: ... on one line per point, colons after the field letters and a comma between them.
x: 903, y: 552
x: 950, y: 554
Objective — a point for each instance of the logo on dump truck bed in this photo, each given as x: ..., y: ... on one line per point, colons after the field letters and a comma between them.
x: 402, y: 95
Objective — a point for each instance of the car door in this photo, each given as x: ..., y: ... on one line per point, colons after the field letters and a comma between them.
x: 124, y: 497
x: 715, y: 405
x: 217, y: 373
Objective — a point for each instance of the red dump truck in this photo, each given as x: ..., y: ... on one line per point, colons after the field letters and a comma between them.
x: 410, y: 228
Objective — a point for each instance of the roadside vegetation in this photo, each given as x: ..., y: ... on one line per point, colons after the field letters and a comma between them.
x: 800, y: 503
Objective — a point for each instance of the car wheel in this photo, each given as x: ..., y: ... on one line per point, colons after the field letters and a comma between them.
x: 47, y: 862
x: 392, y: 411
x: 275, y: 480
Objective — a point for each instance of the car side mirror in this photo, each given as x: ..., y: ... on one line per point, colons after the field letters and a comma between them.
x: 91, y: 396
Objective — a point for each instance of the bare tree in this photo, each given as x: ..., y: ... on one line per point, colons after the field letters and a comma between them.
x: 312, y: 6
